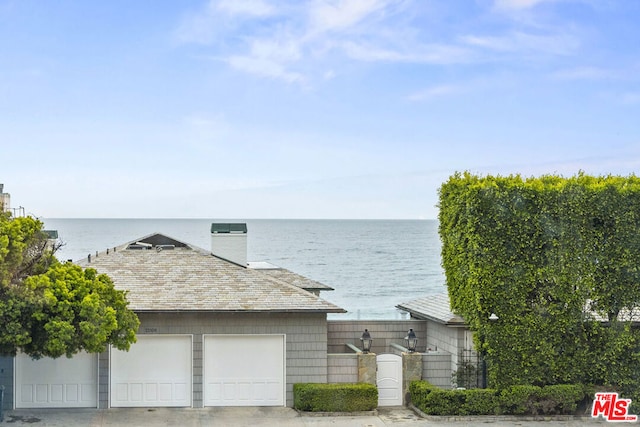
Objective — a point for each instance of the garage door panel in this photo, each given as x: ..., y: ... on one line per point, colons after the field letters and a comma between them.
x: 155, y: 372
x: 57, y: 392
x: 235, y: 374
x: 57, y: 383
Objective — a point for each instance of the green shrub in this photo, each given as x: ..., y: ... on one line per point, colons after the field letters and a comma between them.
x: 559, y: 399
x: 518, y: 399
x: 515, y: 400
x: 443, y: 402
x: 480, y: 402
x: 418, y: 390
x: 314, y: 397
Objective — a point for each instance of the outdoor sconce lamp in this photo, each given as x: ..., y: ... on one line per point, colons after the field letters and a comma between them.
x: 493, y: 317
x: 412, y: 341
x: 366, y: 341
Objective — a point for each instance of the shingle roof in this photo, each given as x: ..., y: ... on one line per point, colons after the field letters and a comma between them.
x: 289, y: 276
x: 191, y: 279
x: 433, y: 307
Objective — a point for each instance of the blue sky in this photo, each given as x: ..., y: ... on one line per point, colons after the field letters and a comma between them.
x: 306, y: 109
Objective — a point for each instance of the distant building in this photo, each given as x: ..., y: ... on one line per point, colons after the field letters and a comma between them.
x: 5, y: 199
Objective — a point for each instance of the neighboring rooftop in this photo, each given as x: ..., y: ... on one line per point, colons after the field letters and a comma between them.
x: 163, y: 274
x: 434, y: 307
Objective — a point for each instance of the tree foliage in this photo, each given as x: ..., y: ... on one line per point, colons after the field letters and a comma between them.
x: 552, y: 257
x: 51, y: 309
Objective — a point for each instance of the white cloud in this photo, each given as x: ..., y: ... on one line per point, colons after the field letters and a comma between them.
x: 265, y: 67
x: 307, y: 31
x: 518, y: 4
x: 217, y: 16
x: 285, y: 50
x: 489, y: 42
x: 305, y: 39
x: 342, y: 14
x: 522, y: 42
x: 429, y: 54
x: 315, y: 31
x: 435, y: 92
x: 584, y: 73
x: 270, y: 58
x: 243, y: 7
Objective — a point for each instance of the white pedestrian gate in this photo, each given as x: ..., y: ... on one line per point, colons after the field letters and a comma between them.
x: 389, y: 380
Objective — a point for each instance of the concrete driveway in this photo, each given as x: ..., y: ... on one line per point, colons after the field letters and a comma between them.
x: 254, y: 417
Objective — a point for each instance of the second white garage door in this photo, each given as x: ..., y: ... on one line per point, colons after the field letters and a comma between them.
x: 156, y: 371
x: 244, y: 370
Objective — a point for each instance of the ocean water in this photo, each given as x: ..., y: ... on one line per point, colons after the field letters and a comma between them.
x: 372, y: 264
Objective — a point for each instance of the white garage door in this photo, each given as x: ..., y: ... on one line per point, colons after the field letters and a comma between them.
x: 57, y: 383
x: 244, y: 370
x: 156, y: 371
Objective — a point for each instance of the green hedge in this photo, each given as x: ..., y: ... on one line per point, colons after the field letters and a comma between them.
x: 536, y: 252
x: 315, y: 397
x: 419, y: 390
x: 560, y: 399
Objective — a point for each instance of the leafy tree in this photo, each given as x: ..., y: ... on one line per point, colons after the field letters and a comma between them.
x: 50, y: 309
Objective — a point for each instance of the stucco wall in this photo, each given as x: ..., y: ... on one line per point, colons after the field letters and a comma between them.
x: 306, y: 342
x: 383, y: 332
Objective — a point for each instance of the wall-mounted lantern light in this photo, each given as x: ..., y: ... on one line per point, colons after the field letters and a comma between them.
x: 412, y: 341
x: 366, y: 341
x: 493, y: 317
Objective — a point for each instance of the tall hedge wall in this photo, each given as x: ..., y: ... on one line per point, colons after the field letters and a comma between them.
x: 550, y: 256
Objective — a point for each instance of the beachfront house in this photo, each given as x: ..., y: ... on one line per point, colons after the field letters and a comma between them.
x: 215, y: 331
x: 218, y: 330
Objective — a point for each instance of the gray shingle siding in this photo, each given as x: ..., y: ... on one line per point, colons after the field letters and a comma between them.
x: 384, y: 333
x: 306, y: 342
x: 6, y: 379
x: 342, y: 368
x: 436, y: 368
